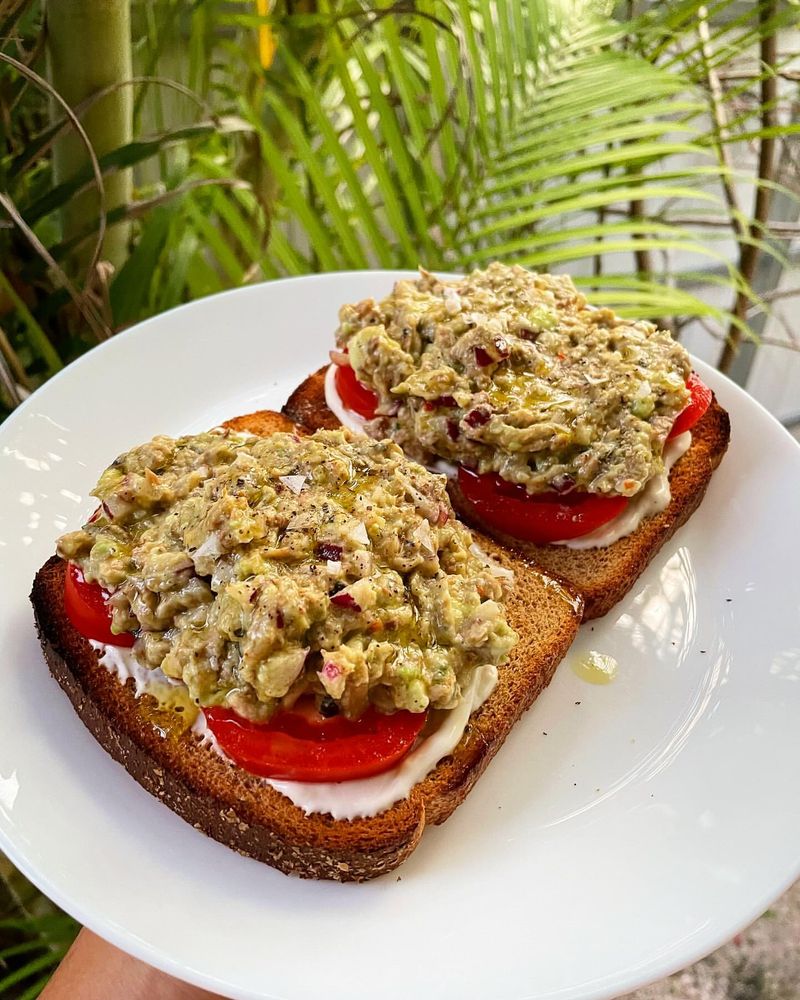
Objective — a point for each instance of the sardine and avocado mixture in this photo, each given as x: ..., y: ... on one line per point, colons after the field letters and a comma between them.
x: 511, y: 372
x: 257, y: 570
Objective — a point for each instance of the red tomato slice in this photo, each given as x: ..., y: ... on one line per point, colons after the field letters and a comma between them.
x: 302, y: 745
x: 354, y: 394
x: 699, y: 402
x: 85, y: 604
x: 540, y: 518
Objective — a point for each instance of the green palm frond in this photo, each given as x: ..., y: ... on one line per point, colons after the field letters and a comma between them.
x: 572, y: 119
x: 390, y: 133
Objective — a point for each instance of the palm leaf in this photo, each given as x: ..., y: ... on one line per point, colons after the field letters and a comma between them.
x: 443, y: 132
x: 636, y: 135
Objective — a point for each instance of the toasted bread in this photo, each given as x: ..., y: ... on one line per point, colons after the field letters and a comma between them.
x: 601, y: 576
x: 307, y: 406
x: 242, y: 811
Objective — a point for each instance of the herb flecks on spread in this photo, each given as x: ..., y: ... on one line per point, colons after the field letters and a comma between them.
x: 256, y: 570
x: 511, y: 372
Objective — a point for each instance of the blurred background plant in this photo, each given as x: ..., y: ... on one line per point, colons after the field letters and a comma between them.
x: 34, y: 936
x: 155, y: 151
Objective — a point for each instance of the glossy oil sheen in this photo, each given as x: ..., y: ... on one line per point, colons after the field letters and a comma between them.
x: 657, y: 817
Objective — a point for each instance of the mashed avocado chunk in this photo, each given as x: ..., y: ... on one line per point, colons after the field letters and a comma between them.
x: 512, y: 372
x: 257, y: 570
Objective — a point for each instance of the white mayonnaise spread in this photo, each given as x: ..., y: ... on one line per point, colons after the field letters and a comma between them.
x: 206, y: 738
x: 654, y: 498
x: 122, y: 661
x: 369, y: 796
x: 345, y: 417
x: 342, y: 799
x: 443, y: 468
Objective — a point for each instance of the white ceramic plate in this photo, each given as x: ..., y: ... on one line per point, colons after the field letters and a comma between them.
x: 621, y: 833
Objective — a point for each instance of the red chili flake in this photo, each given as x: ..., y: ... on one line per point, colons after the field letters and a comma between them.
x: 478, y: 417
x: 279, y: 619
x: 327, y: 550
x: 347, y: 601
x: 483, y: 357
x: 452, y: 429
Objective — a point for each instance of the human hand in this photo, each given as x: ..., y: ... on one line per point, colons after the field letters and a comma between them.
x: 96, y: 970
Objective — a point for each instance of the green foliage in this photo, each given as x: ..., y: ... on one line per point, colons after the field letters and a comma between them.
x: 34, y: 936
x: 441, y: 132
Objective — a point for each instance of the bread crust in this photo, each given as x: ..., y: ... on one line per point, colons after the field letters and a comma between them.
x: 239, y: 809
x: 602, y: 576
x: 306, y: 406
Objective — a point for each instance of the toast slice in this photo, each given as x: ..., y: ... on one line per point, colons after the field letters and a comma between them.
x: 242, y: 811
x: 602, y: 576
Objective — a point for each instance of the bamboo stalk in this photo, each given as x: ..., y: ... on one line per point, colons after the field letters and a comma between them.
x: 641, y: 255
x: 748, y: 253
x: 719, y: 114
x: 89, y: 49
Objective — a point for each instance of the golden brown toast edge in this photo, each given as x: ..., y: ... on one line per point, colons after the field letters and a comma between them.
x: 601, y: 576
x: 241, y: 811
x: 307, y: 407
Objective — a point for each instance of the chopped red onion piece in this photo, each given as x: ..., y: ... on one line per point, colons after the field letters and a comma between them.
x: 478, y: 417
x: 345, y: 600
x: 484, y: 357
x: 327, y: 550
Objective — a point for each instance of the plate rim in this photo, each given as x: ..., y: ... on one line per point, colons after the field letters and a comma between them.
x: 159, y: 958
